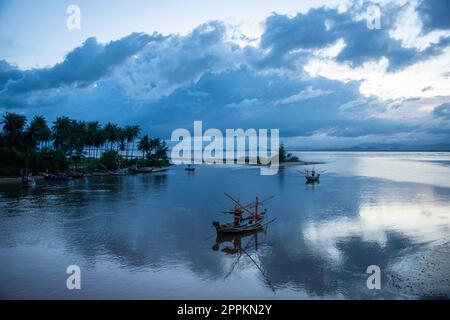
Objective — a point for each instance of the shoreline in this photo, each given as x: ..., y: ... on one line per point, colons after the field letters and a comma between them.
x: 17, y: 180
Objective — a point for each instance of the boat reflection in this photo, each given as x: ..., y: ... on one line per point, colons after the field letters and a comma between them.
x: 242, y: 247
x: 236, y: 242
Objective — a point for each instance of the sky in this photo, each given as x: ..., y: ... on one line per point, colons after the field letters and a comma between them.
x: 323, y: 72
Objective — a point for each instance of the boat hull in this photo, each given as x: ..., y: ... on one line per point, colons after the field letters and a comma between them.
x: 228, y: 228
x: 312, y: 179
x: 141, y: 170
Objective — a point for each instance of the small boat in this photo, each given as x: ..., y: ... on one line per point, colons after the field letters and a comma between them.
x: 136, y: 169
x: 312, y: 176
x: 76, y: 175
x: 100, y: 173
x: 28, y: 181
x: 56, y: 177
x: 244, y: 226
x: 190, y: 167
x: 119, y: 172
x: 160, y: 169
x: 254, y: 221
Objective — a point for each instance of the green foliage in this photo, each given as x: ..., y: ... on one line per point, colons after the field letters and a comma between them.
x: 71, y: 143
x: 51, y: 160
x: 286, y: 157
x: 110, y: 159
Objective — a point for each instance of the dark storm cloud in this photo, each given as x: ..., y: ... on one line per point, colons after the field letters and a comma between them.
x: 170, y: 81
x: 80, y: 67
x: 442, y: 111
x: 286, y: 36
x: 8, y: 73
x: 435, y: 14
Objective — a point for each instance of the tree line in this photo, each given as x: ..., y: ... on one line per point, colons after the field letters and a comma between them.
x: 22, y: 141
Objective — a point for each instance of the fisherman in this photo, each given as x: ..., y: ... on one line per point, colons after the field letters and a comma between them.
x: 238, y: 210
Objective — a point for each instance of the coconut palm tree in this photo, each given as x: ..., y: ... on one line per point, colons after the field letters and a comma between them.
x: 99, y: 140
x: 112, y: 133
x: 92, y: 131
x: 38, y: 131
x: 61, y: 133
x: 145, y: 145
x: 135, y: 133
x: 161, y: 151
x: 13, y: 125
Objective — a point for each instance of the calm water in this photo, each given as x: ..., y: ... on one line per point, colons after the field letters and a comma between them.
x: 150, y: 236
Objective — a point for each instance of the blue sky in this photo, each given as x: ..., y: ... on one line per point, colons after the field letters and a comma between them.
x: 312, y: 69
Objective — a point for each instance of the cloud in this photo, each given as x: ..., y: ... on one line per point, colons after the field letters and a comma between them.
x: 442, y: 111
x: 8, y: 73
x: 81, y: 66
x: 290, y: 38
x: 308, y: 93
x: 167, y: 82
x: 435, y: 14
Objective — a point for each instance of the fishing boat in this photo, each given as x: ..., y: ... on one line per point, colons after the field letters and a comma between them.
x: 101, y: 173
x: 190, y: 167
x: 119, y: 172
x: 28, y: 181
x: 76, y: 175
x: 56, y: 177
x: 160, y: 169
x: 136, y: 169
x: 254, y: 220
x: 312, y: 176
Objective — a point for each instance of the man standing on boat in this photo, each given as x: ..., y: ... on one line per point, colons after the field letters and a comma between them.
x: 238, y: 210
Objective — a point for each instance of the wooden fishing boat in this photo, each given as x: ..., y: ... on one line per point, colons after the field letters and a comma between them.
x: 119, y: 172
x: 28, y: 181
x: 312, y: 178
x: 100, y: 173
x: 76, y: 175
x: 243, y: 226
x: 254, y: 221
x: 56, y: 177
x: 136, y: 169
x: 160, y: 169
x: 190, y: 167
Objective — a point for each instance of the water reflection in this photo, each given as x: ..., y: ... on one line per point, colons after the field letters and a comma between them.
x: 146, y: 228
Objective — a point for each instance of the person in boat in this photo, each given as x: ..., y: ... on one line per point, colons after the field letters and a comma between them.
x: 238, y: 210
x: 313, y: 173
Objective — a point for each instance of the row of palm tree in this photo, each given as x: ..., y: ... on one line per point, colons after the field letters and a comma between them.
x: 76, y: 138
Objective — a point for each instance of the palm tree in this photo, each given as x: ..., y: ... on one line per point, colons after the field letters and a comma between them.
x: 93, y: 128
x: 135, y: 133
x: 144, y: 145
x: 161, y: 151
x: 112, y: 133
x: 13, y: 125
x: 61, y: 133
x: 128, y: 132
x: 99, y: 140
x: 39, y: 131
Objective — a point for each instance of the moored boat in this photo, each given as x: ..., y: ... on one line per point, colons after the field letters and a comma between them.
x: 28, y: 181
x: 312, y: 176
x: 76, y: 175
x: 254, y: 221
x: 56, y: 177
x: 243, y: 226
x: 136, y: 169
x: 160, y: 169
x: 100, y: 173
x: 119, y: 172
x: 190, y: 167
